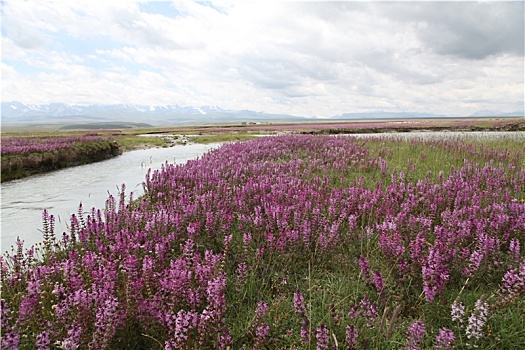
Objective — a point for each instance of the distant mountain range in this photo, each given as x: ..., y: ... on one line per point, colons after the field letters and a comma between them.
x: 16, y: 113
x: 60, y: 113
x: 418, y: 115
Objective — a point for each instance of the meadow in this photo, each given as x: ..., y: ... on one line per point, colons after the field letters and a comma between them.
x: 12, y: 146
x: 288, y: 242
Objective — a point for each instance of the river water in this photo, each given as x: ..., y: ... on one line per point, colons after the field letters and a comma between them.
x: 60, y: 192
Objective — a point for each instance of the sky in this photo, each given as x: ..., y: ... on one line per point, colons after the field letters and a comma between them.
x: 302, y: 58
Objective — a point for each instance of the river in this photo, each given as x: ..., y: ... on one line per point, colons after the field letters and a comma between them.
x: 61, y: 192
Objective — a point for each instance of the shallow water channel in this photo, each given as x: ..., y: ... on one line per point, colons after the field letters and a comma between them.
x: 60, y: 192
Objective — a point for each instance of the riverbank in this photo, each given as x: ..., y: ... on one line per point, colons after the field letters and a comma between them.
x: 16, y: 166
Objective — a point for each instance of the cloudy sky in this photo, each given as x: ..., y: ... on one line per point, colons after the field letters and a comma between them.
x: 295, y: 57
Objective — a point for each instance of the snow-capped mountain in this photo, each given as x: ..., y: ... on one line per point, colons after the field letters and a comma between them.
x: 15, y: 109
x: 19, y: 113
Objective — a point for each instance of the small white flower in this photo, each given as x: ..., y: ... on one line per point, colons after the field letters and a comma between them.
x: 458, y: 311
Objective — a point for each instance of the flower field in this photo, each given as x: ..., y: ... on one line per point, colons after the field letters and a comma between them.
x: 26, y: 145
x: 288, y: 242
x: 380, y: 126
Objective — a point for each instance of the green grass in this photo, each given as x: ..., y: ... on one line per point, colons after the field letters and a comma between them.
x: 421, y: 159
x: 229, y: 137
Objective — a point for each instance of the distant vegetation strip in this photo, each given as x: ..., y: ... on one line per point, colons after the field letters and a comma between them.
x: 288, y: 242
x: 24, y: 156
x: 383, y: 126
x: 25, y: 145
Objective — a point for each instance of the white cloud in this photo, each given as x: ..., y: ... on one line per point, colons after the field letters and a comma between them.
x: 305, y: 58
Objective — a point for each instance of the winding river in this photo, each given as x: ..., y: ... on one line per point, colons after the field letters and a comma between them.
x: 60, y: 192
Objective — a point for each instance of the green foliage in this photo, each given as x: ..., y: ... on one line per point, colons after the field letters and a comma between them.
x: 205, y: 139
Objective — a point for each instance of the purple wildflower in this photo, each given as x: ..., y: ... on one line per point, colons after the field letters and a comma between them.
x: 475, y: 262
x: 369, y: 310
x: 513, y: 285
x: 262, y: 308
x: 10, y: 340
x: 300, y: 309
x: 378, y: 281
x: 322, y: 336
x: 298, y: 303
x: 261, y: 334
x: 305, y: 332
x: 241, y: 274
x: 365, y: 268
x: 72, y: 342
x: 351, y: 337
x: 435, y: 274
x: 415, y: 334
x: 444, y: 339
x: 107, y: 320
x: 514, y: 249
x: 42, y: 340
x: 225, y: 338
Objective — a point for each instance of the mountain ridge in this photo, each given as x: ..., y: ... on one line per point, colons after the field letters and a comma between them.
x: 15, y: 112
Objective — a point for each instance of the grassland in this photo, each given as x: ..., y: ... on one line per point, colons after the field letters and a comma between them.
x: 290, y: 242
